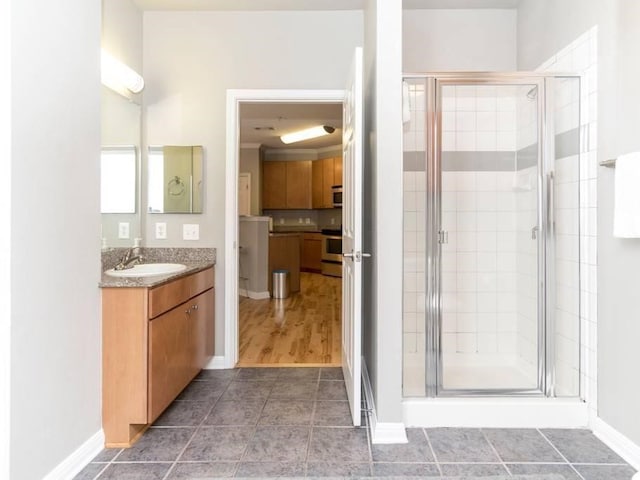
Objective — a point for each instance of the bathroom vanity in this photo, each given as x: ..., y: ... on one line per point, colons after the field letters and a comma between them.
x: 157, y: 334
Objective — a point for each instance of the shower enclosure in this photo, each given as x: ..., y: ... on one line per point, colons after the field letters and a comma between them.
x: 491, y: 235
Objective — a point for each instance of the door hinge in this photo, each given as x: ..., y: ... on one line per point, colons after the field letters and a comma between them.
x: 443, y: 237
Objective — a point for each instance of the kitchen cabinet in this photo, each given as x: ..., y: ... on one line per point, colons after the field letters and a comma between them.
x: 286, y: 185
x: 298, y: 184
x: 311, y: 256
x: 326, y: 173
x: 284, y: 254
x: 274, y: 185
x: 337, y: 171
x: 155, y: 340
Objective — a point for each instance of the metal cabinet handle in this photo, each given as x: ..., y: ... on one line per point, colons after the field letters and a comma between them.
x: 356, y: 256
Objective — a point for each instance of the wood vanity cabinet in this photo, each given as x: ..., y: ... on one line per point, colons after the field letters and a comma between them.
x: 155, y: 341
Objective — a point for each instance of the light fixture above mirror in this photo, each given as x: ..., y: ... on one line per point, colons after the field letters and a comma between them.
x: 118, y: 76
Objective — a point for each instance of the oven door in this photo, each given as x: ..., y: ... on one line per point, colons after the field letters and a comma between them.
x: 332, y: 255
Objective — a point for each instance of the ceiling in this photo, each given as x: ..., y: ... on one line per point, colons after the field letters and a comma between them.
x: 257, y: 119
x: 311, y: 5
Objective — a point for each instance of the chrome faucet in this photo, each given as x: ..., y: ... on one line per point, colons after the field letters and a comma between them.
x: 127, y: 260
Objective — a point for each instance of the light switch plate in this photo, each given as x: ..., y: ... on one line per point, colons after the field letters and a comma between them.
x: 191, y: 231
x: 161, y: 230
x: 123, y: 230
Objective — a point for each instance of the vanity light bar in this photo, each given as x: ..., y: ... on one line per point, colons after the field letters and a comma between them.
x: 118, y: 76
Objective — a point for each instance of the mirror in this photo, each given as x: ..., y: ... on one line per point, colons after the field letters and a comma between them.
x: 119, y: 170
x: 175, y: 179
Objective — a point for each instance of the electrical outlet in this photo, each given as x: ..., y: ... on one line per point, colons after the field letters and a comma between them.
x: 307, y: 221
x: 161, y: 230
x: 300, y: 220
x: 333, y: 221
x: 123, y: 230
x: 191, y: 231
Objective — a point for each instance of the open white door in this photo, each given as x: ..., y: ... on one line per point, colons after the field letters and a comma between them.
x: 352, y: 237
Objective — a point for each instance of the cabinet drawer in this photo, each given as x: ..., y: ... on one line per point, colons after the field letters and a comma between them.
x: 165, y: 297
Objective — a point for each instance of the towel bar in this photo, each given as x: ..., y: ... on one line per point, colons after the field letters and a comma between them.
x: 611, y: 163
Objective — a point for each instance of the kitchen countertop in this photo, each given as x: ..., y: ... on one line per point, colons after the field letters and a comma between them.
x: 108, y: 281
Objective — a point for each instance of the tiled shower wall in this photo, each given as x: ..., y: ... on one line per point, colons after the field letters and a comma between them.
x: 581, y: 57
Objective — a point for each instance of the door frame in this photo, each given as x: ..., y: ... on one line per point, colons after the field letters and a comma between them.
x: 235, y: 97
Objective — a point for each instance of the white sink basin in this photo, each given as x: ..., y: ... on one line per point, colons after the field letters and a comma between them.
x: 148, y: 270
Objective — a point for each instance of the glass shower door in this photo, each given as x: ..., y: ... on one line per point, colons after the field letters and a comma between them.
x: 491, y: 236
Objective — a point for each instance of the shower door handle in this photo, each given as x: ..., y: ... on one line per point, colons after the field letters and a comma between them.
x: 534, y: 233
x: 550, y: 203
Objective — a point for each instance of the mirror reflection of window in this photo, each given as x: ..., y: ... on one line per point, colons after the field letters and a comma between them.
x: 175, y: 179
x: 118, y: 179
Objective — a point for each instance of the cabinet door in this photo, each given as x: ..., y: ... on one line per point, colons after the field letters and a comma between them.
x: 316, y: 184
x: 311, y: 252
x: 327, y: 182
x: 176, y: 351
x: 299, y: 184
x: 337, y: 171
x: 274, y: 185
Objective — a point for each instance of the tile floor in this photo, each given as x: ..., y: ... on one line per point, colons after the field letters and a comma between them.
x: 295, y: 422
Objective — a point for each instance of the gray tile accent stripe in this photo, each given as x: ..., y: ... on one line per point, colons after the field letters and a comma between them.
x: 527, y: 157
x: 414, y: 161
x: 478, y: 161
x: 568, y: 143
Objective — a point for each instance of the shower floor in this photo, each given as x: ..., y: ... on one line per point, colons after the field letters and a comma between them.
x: 487, y: 376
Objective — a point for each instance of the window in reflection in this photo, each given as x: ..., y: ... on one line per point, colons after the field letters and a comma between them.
x: 118, y: 179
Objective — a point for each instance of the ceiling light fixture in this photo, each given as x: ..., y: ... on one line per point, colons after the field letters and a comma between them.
x: 313, y: 132
x: 118, y: 76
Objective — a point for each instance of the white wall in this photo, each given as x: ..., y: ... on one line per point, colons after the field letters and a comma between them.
x: 250, y: 163
x: 5, y: 239
x: 192, y: 58
x: 382, y: 309
x: 617, y: 117
x: 55, y: 229
x: 122, y: 32
x: 464, y: 40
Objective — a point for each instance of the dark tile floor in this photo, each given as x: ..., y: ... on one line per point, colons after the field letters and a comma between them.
x: 295, y: 422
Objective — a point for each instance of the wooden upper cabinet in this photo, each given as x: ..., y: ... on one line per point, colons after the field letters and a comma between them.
x: 274, y: 185
x: 298, y: 184
x: 327, y: 182
x: 337, y: 171
x: 316, y: 184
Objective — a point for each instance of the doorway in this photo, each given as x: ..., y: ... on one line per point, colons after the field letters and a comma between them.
x: 313, y: 307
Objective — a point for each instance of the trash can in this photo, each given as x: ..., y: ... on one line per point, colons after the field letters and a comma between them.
x: 280, y: 284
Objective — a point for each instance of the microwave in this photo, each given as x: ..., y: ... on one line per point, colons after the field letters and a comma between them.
x: 336, y: 195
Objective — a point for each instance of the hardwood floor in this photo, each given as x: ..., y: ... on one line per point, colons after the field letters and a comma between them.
x: 302, y: 329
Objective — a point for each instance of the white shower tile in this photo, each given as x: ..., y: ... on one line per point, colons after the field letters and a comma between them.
x: 487, y: 242
x: 466, y: 201
x: 486, y: 121
x: 466, y: 282
x: 449, y: 142
x: 487, y: 282
x: 487, y: 261
x: 486, y: 182
x: 466, y: 141
x: 506, y: 141
x: 487, y: 302
x: 449, y: 323
x: 466, y: 303
x: 467, y: 261
x: 487, y: 322
x: 409, y: 181
x: 467, y: 221
x: 487, y: 343
x: 409, y: 201
x: 467, y: 322
x: 486, y: 200
x: 486, y: 141
x: 486, y: 221
x: 466, y: 181
x: 448, y: 122
x: 449, y: 181
x: 466, y: 241
x: 467, y: 343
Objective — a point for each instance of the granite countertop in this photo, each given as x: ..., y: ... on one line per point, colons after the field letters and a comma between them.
x: 108, y: 281
x: 195, y: 259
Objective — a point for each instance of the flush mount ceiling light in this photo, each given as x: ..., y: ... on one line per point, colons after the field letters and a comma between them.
x: 118, y: 76
x: 313, y: 132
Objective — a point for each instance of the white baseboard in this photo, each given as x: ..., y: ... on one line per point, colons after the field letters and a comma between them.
x: 381, y: 432
x: 618, y: 442
x: 253, y: 295
x: 216, y: 363
x: 495, y: 412
x: 79, y: 459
